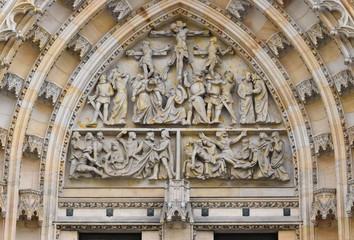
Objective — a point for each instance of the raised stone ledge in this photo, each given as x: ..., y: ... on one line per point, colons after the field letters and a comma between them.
x: 3, y: 137
x: 238, y: 8
x: 2, y: 199
x: 278, y: 44
x: 118, y: 9
x: 79, y: 45
x: 318, y: 34
x: 49, y: 92
x: 324, y: 206
x: 74, y: 4
x: 39, y: 36
x: 32, y: 147
x: 344, y: 81
x: 323, y: 143
x: 12, y: 83
x: 308, y: 90
x: 29, y: 207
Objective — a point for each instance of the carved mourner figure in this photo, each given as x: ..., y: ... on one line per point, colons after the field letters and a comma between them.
x: 99, y: 146
x: 165, y: 156
x: 174, y: 112
x: 246, y: 162
x: 180, y: 32
x: 102, y: 96
x: 246, y: 100
x: 76, y: 151
x: 145, y: 55
x: 264, y: 169
x: 148, y: 101
x: 213, y: 99
x: 224, y: 143
x: 261, y: 101
x: 226, y: 96
x: 277, y: 158
x: 120, y: 102
x: 196, y: 106
x: 82, y: 166
x: 213, y: 51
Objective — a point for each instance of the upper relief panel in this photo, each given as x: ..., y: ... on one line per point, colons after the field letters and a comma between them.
x: 179, y: 76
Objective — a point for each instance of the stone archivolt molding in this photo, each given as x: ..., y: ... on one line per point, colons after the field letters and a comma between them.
x: 118, y: 9
x: 344, y: 81
x: 29, y: 207
x: 323, y: 143
x: 324, y: 204
x: 278, y: 44
x: 2, y: 199
x: 50, y: 91
x: 308, y: 90
x: 238, y: 8
x: 13, y: 82
x: 317, y: 34
x: 33, y: 146
x: 3, y: 137
x: 79, y: 45
x: 8, y: 26
x: 39, y: 36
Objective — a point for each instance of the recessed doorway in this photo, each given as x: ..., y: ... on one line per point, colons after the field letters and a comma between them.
x: 246, y: 236
x: 110, y: 236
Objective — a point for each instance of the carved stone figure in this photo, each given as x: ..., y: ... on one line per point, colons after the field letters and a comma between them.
x: 264, y: 169
x: 196, y: 106
x: 226, y: 97
x: 145, y: 54
x: 131, y: 145
x: 180, y: 32
x: 149, y: 154
x: 213, y: 99
x: 277, y: 158
x: 213, y: 51
x: 99, y: 146
x: 174, y: 112
x: 101, y: 97
x: 165, y: 156
x: 117, y: 159
x: 77, y: 147
x: 261, y: 101
x: 148, y: 101
x: 82, y: 166
x: 246, y: 100
x: 120, y: 101
x: 245, y: 161
x: 224, y: 143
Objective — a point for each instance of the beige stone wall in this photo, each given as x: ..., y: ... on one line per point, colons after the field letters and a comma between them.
x: 327, y: 110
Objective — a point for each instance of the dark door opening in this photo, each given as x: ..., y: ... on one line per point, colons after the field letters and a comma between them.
x: 245, y: 236
x: 110, y: 236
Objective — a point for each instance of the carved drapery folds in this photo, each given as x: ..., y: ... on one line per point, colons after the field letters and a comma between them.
x: 3, y: 137
x: 308, y: 90
x: 39, y: 36
x: 74, y: 4
x: 8, y: 26
x: 12, y: 83
x: 29, y: 207
x: 118, y: 9
x: 351, y: 135
x: 2, y: 199
x: 324, y: 206
x: 79, y: 45
x: 238, y: 8
x: 177, y: 206
x: 49, y: 92
x: 344, y: 81
x: 350, y: 198
x: 32, y: 147
x: 323, y: 143
x: 278, y: 44
x: 317, y: 34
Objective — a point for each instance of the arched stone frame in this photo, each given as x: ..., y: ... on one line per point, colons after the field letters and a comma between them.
x: 38, y: 84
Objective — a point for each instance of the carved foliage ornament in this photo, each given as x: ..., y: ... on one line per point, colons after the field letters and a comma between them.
x: 3, y: 137
x: 351, y: 135
x: 74, y: 4
x: 324, y: 204
x: 2, y: 200
x: 323, y: 143
x: 307, y: 90
x: 33, y: 146
x: 79, y: 45
x: 50, y: 90
x: 278, y: 44
x: 8, y: 26
x: 344, y: 81
x: 238, y: 8
x: 12, y: 83
x: 350, y: 198
x: 39, y: 36
x: 29, y: 207
x: 118, y: 9
x: 317, y: 34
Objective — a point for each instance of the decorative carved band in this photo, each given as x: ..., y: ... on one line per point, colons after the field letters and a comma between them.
x: 324, y: 204
x: 33, y: 146
x: 110, y: 204
x: 323, y: 143
x: 29, y: 207
x: 3, y: 137
x: 13, y: 82
x: 250, y: 227
x: 2, y: 200
x: 106, y: 227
